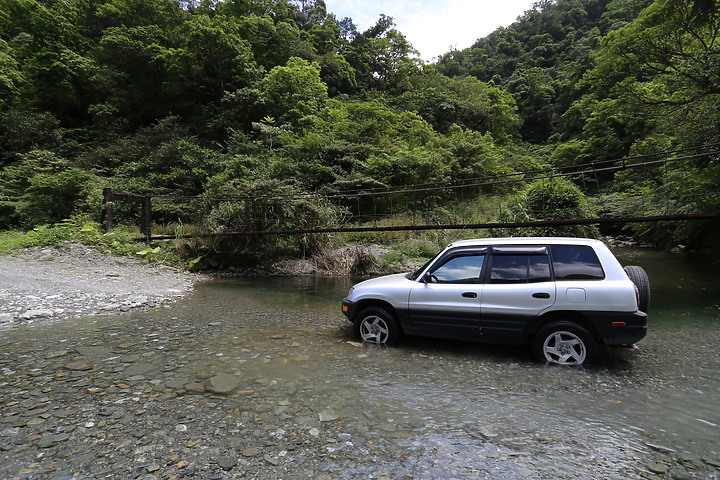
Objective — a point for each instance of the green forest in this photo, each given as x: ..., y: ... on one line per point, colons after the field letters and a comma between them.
x: 276, y: 114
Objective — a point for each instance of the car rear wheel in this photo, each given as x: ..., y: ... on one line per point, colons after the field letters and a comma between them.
x: 376, y: 326
x: 640, y: 278
x: 564, y: 343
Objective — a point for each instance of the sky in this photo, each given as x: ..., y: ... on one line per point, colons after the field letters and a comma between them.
x: 434, y: 26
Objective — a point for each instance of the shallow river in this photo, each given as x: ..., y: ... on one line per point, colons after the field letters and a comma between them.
x: 312, y: 403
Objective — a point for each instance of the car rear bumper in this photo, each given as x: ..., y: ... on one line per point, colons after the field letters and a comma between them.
x: 619, y: 328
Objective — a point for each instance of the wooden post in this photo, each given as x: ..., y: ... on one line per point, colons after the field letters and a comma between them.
x: 108, y: 209
x: 146, y: 217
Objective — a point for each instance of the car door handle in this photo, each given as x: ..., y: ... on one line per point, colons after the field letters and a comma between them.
x: 541, y: 295
x: 469, y: 294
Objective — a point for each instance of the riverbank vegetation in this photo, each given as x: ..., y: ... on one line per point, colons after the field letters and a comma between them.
x: 277, y: 115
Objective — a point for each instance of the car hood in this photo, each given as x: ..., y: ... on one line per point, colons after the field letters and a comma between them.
x: 382, y: 287
x: 383, y: 281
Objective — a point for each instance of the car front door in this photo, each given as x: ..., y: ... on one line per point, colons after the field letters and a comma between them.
x: 446, y: 302
x: 518, y: 288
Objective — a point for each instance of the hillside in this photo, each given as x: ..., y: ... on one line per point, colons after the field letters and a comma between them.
x: 235, y: 99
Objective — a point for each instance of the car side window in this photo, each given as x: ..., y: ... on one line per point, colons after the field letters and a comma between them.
x: 464, y: 269
x: 576, y: 262
x: 520, y: 268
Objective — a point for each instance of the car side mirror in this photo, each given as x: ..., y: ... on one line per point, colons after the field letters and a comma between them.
x: 427, y: 278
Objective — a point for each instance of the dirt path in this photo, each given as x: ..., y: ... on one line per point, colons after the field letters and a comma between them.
x: 53, y: 283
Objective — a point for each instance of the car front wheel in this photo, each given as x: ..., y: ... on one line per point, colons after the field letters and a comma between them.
x: 564, y: 343
x: 377, y: 327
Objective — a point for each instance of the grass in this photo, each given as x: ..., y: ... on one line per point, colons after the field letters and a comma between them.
x: 121, y: 241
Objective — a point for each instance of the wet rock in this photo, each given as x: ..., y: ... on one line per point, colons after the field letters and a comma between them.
x: 660, y: 448
x: 139, y: 369
x: 7, y: 317
x: 328, y: 416
x: 47, y: 441
x: 95, y: 353
x: 659, y: 468
x: 689, y: 461
x: 194, y: 388
x: 39, y: 313
x: 271, y: 460
x: 56, y: 354
x: 251, y: 452
x: 223, y: 383
x: 681, y: 475
x: 227, y: 463
x: 79, y: 365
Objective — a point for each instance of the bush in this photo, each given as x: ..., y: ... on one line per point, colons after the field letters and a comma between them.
x: 550, y: 199
x: 52, y: 197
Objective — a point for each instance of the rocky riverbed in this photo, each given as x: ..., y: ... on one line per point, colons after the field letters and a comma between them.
x: 70, y: 280
x: 251, y: 380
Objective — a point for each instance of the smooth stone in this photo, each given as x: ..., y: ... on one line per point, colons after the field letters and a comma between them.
x: 223, y: 383
x: 79, y: 365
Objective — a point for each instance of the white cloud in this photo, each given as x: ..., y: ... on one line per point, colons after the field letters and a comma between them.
x: 435, y: 26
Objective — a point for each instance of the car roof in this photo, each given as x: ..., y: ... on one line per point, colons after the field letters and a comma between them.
x: 526, y: 241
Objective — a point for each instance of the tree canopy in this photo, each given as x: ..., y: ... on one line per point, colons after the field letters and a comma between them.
x: 239, y: 96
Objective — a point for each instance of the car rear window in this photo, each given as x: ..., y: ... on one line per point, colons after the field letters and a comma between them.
x: 520, y: 269
x: 576, y: 262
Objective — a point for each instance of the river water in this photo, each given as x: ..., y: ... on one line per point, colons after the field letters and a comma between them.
x: 312, y: 403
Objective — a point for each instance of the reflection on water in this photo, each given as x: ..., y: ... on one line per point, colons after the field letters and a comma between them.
x: 685, y: 287
x: 319, y: 403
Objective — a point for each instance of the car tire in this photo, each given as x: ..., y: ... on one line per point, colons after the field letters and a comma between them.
x: 640, y: 278
x: 376, y: 326
x: 564, y: 343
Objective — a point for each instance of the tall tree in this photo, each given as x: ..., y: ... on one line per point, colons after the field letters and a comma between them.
x: 293, y: 91
x: 382, y: 57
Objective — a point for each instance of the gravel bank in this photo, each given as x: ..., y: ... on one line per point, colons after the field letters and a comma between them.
x: 54, y: 283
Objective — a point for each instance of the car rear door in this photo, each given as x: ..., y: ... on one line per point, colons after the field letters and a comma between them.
x: 446, y: 303
x: 518, y: 287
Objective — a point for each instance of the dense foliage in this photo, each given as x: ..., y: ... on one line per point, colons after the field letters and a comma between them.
x: 604, y: 79
x: 244, y: 98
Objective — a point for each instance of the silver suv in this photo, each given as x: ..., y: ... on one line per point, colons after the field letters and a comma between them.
x: 562, y: 296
